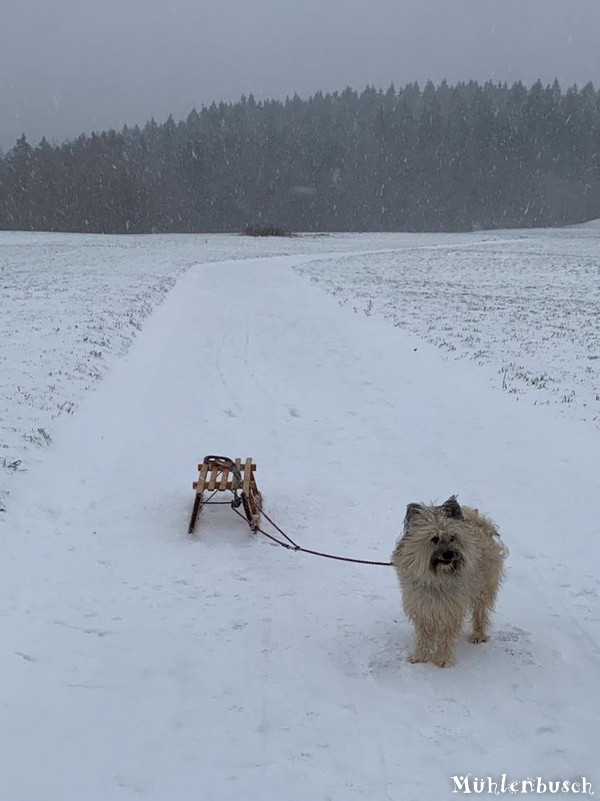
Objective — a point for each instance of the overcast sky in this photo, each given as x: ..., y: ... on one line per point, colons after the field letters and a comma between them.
x: 68, y: 66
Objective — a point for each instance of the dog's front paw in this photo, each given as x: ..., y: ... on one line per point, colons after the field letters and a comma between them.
x: 444, y: 662
x: 416, y: 657
x: 478, y: 636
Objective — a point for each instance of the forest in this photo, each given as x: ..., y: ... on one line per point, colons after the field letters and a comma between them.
x: 434, y: 158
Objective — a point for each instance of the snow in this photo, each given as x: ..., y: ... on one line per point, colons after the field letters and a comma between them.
x: 141, y: 663
x: 526, y: 307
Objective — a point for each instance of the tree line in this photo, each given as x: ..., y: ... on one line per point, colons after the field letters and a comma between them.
x: 437, y: 158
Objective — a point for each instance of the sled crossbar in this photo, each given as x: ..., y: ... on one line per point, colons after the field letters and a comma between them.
x: 222, y: 474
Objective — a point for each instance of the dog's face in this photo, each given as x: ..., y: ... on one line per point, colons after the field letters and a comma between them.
x: 433, y: 544
x: 446, y: 555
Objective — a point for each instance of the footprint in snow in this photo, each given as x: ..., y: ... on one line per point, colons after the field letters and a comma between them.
x: 25, y: 657
x: 440, y: 733
x: 511, y: 635
x: 443, y: 720
x: 386, y: 665
x: 84, y: 629
x: 514, y: 642
x: 450, y: 708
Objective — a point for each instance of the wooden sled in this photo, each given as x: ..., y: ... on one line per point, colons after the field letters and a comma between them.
x: 221, y: 474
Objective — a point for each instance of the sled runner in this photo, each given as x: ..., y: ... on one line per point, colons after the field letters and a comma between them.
x: 222, y: 474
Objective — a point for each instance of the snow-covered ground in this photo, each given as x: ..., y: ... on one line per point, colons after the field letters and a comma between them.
x: 140, y: 663
x: 526, y: 306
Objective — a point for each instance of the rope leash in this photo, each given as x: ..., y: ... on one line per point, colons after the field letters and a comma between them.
x: 290, y: 545
x: 223, y: 463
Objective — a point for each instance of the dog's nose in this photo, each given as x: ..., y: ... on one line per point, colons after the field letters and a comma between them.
x: 448, y: 555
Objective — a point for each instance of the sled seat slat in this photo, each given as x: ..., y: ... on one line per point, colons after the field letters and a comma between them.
x: 203, y: 468
x: 214, y: 474
x: 199, y: 487
x: 218, y: 478
x: 224, y: 478
x: 247, y: 474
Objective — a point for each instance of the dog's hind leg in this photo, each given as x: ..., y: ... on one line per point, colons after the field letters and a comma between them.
x: 482, y: 610
x: 484, y: 601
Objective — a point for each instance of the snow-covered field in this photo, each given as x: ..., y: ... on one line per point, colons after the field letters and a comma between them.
x: 140, y: 663
x: 527, y: 307
x: 69, y: 303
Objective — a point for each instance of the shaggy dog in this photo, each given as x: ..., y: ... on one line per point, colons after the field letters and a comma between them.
x: 449, y: 562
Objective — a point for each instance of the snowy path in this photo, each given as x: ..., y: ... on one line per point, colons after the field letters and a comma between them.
x: 139, y: 663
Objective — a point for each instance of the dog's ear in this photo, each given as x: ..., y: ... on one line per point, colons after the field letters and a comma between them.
x: 451, y: 508
x: 412, y: 510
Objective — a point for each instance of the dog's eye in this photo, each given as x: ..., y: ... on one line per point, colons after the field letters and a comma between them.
x: 451, y: 538
x: 435, y: 540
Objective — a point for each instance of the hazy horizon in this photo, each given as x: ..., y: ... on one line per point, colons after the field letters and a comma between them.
x: 74, y: 67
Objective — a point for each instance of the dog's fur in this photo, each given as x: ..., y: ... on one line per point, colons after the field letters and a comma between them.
x: 449, y: 562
